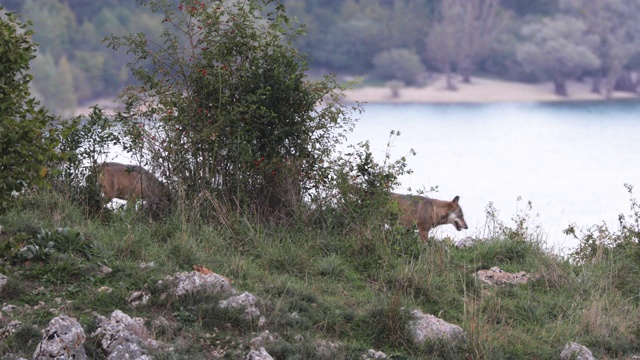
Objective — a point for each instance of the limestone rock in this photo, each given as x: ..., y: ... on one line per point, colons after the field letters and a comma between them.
x: 138, y: 298
x: 263, y: 339
x: 246, y: 301
x: 189, y: 282
x: 124, y: 337
x: 575, y: 351
x: 3, y: 281
x: 497, y: 276
x: 426, y: 326
x: 63, y: 339
x: 260, y: 354
x: 327, y: 349
x: 374, y: 355
x: 8, y: 330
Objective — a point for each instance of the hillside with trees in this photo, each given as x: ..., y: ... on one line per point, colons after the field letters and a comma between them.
x: 540, y: 40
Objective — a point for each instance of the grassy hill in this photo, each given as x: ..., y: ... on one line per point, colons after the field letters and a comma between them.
x: 346, y: 284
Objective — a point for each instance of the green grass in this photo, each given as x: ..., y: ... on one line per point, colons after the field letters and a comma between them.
x: 341, y: 285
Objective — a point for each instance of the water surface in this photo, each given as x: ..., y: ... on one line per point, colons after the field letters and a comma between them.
x: 569, y: 159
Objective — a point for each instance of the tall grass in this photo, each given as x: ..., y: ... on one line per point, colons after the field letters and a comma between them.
x: 349, y: 285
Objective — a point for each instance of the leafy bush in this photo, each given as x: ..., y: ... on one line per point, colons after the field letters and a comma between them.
x: 598, y: 243
x: 85, y: 142
x: 224, y: 107
x: 399, y: 64
x: 27, y: 143
x: 357, y: 189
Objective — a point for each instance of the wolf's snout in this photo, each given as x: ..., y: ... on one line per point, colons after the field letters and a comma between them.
x: 461, y: 225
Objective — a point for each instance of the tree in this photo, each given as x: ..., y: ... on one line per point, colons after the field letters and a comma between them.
x: 559, y: 48
x: 54, y: 25
x: 615, y: 24
x: 399, y: 64
x: 352, y: 44
x: 463, y: 35
x: 441, y: 45
x: 224, y: 106
x: 25, y: 144
x: 481, y: 21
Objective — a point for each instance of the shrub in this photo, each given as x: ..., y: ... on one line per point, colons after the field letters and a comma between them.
x: 224, y: 106
x: 85, y: 141
x: 399, y: 64
x: 27, y: 143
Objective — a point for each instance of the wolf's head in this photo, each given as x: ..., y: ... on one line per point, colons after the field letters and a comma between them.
x: 455, y: 216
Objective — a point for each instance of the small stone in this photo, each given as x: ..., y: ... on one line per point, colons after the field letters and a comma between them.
x: 575, y: 351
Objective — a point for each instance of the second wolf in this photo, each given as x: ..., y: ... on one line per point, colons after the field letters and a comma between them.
x: 133, y: 183
x: 425, y: 213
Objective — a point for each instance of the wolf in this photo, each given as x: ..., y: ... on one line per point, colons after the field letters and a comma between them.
x: 426, y: 213
x: 130, y: 183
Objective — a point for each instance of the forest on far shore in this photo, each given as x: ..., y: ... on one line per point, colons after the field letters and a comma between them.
x: 388, y: 40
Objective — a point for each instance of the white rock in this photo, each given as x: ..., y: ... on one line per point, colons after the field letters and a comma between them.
x: 138, y: 298
x: 260, y: 354
x: 8, y: 330
x: 426, y: 326
x: 263, y: 339
x: 575, y: 351
x: 9, y: 308
x: 497, y: 276
x: 246, y: 301
x: 189, y: 282
x: 374, y: 355
x: 3, y: 281
x: 327, y: 349
x: 63, y: 339
x: 124, y: 337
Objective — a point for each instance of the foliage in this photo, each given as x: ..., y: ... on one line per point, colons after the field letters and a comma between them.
x: 399, y: 64
x: 463, y: 35
x: 357, y: 188
x: 225, y: 107
x: 617, y: 32
x: 21, y: 247
x: 598, y: 243
x: 558, y: 48
x: 341, y: 36
x: 86, y: 142
x: 26, y: 143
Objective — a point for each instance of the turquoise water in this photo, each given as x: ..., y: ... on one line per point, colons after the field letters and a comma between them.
x: 569, y: 159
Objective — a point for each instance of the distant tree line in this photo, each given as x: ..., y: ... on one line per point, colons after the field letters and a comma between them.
x: 400, y: 40
x: 71, y: 64
x: 539, y: 40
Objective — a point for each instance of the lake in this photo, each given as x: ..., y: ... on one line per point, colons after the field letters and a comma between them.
x: 571, y: 160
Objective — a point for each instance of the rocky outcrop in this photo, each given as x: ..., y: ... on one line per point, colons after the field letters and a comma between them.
x: 424, y: 327
x: 260, y: 354
x: 3, y: 281
x: 499, y: 277
x: 63, y: 339
x: 8, y: 330
x: 124, y: 337
x: 264, y: 339
x: 245, y: 301
x: 374, y: 355
x: 189, y: 282
x: 575, y: 351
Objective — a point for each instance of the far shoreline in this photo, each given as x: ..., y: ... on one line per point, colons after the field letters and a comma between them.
x: 480, y: 91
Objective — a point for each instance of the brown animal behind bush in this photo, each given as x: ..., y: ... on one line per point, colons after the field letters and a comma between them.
x: 131, y: 183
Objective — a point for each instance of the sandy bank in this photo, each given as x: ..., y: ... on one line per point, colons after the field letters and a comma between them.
x: 479, y: 91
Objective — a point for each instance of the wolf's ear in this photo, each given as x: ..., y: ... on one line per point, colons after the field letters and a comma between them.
x: 455, y: 200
